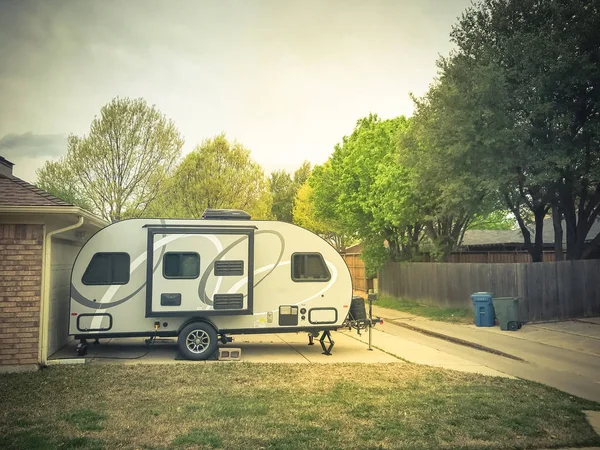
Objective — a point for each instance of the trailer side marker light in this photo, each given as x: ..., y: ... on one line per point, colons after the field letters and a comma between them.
x: 345, y: 306
x: 73, y: 314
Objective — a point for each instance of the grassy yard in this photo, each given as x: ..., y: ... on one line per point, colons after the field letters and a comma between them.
x: 283, y: 406
x: 455, y: 315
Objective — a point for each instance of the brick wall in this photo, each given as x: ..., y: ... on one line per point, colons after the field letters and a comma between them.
x: 20, y: 292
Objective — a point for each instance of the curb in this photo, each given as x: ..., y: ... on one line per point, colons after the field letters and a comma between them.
x: 455, y: 340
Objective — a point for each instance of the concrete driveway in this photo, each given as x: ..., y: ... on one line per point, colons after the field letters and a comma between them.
x: 268, y: 348
x: 283, y: 348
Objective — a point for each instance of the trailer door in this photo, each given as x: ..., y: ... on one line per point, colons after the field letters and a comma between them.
x: 199, y: 271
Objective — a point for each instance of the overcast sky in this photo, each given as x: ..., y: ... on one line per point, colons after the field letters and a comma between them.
x: 288, y: 78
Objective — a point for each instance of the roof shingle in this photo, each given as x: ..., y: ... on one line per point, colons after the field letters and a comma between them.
x: 492, y: 237
x: 506, y: 237
x: 16, y: 192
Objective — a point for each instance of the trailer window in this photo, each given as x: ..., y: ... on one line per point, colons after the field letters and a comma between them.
x: 107, y: 268
x: 309, y: 267
x: 181, y: 265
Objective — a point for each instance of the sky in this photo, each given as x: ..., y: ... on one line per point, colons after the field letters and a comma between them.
x: 288, y: 79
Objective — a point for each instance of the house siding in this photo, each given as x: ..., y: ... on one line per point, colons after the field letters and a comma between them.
x: 21, y: 256
x: 63, y: 257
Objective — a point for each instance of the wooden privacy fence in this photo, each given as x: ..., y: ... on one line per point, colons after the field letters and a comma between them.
x: 497, y: 257
x: 357, y: 272
x: 548, y: 291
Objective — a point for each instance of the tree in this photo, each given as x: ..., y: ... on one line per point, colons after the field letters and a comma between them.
x: 497, y: 219
x: 463, y: 116
x: 521, y: 97
x: 448, y: 197
x: 284, y: 189
x: 304, y: 216
x: 56, y: 177
x: 218, y: 174
x: 120, y: 165
x: 364, y: 191
x: 302, y: 174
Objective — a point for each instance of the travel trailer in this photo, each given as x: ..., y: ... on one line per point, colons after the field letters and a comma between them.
x: 202, y: 280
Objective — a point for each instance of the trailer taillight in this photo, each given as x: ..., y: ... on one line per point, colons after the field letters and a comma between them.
x: 73, y: 314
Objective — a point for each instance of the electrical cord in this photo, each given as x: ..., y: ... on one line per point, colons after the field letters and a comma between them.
x: 119, y: 357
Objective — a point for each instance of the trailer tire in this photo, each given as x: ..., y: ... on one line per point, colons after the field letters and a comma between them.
x: 197, y: 341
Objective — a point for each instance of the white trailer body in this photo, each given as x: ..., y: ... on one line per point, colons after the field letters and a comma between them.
x: 153, y: 277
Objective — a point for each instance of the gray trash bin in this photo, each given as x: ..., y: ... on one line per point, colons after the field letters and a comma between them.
x: 507, y: 313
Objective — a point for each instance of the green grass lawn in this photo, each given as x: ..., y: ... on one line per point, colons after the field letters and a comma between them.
x: 455, y: 315
x: 283, y: 406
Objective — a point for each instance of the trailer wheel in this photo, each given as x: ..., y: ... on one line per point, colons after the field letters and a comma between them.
x: 197, y: 341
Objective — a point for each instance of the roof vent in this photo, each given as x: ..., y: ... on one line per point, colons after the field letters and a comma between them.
x: 225, y: 214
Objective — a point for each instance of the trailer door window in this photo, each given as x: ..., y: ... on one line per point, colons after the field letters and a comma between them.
x: 107, y: 268
x: 309, y: 267
x: 180, y: 265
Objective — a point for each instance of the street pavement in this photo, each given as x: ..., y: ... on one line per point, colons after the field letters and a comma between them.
x: 412, y: 348
x: 564, y: 355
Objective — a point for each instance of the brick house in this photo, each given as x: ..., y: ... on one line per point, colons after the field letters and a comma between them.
x: 40, y: 236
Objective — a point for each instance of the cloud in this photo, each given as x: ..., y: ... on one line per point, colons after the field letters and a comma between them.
x: 33, y: 145
x: 29, y: 151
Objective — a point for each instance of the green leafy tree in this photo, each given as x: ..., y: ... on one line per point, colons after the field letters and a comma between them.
x: 495, y: 220
x: 374, y: 254
x: 484, y: 147
x: 520, y: 98
x: 284, y: 189
x: 120, y: 165
x: 218, y: 174
x: 56, y: 177
x: 365, y: 192
x: 302, y: 174
x: 304, y: 216
x: 448, y: 197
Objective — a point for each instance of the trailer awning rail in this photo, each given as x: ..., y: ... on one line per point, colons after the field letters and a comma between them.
x: 207, y: 226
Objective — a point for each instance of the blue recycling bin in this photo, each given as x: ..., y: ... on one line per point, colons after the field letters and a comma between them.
x: 483, y: 305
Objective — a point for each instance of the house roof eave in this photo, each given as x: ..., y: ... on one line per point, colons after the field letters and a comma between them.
x: 73, y: 210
